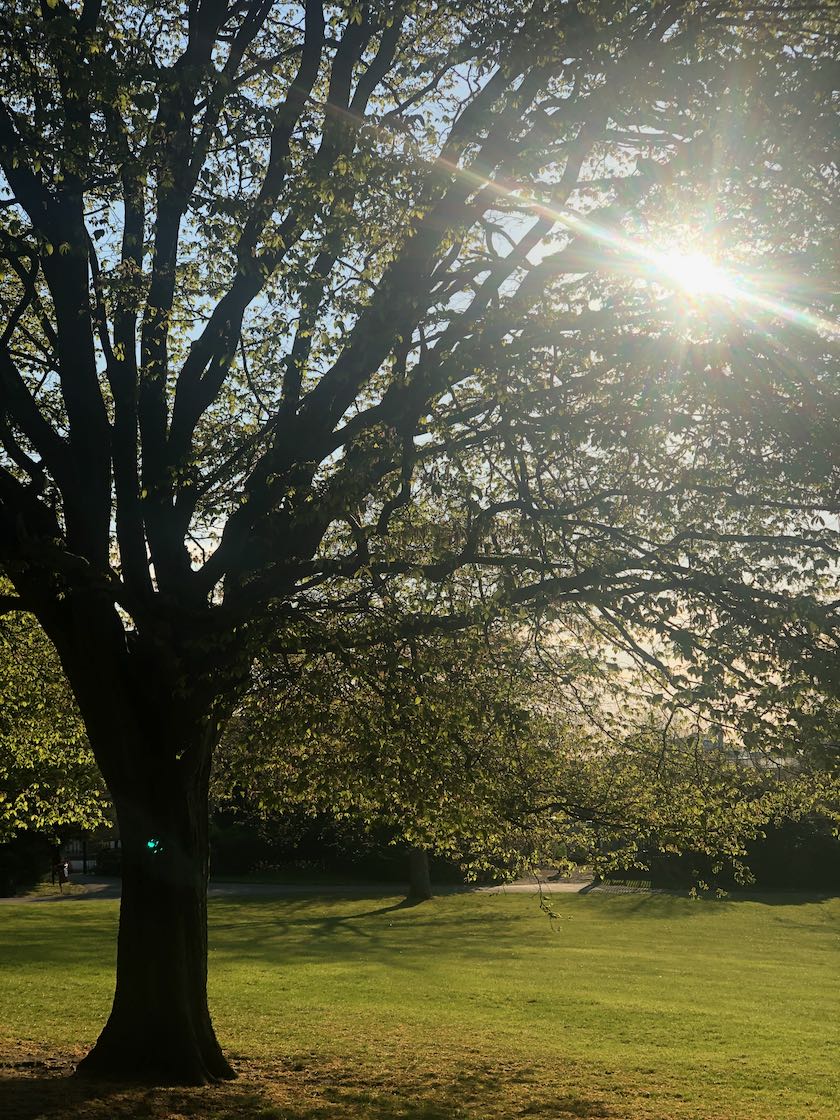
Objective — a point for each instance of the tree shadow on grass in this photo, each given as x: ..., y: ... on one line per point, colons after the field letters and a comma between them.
x: 405, y: 904
x: 283, y: 1092
x: 780, y: 897
x: 317, y: 935
x: 325, y: 925
x: 35, y: 1092
x: 664, y: 903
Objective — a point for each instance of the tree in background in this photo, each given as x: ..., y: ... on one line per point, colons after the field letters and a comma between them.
x: 280, y: 279
x: 48, y: 778
x: 504, y: 750
x: 428, y: 738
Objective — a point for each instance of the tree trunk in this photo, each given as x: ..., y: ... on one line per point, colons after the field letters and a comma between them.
x: 153, y: 703
x: 159, y: 1028
x: 419, y: 879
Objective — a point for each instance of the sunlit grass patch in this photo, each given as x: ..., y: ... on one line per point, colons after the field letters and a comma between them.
x: 634, y: 1006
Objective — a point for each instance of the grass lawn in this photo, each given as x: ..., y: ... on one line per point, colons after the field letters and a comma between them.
x: 638, y: 1007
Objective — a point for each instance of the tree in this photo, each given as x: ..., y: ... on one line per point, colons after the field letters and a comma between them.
x: 49, y: 778
x: 432, y: 738
x: 504, y: 750
x: 281, y: 278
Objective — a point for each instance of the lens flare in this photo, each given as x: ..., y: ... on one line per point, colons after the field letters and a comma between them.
x: 695, y: 273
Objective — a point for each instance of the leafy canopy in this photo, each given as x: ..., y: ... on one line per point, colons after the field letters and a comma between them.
x: 475, y: 304
x: 48, y: 778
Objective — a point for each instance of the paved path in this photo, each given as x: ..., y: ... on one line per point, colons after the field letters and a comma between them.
x: 99, y: 889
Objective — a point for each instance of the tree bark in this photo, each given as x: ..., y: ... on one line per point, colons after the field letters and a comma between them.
x: 419, y: 878
x: 152, y: 710
x: 159, y: 1029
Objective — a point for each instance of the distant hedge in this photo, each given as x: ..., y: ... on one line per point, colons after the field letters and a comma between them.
x: 795, y: 855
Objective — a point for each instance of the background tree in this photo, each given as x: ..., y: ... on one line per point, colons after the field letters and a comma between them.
x: 48, y: 778
x: 281, y: 278
x: 429, y: 738
x: 506, y: 750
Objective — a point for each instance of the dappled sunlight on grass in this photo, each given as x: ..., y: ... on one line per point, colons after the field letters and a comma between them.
x: 305, y: 1088
x: 632, y: 1006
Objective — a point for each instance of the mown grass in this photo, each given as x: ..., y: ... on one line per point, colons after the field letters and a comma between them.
x: 644, y: 1007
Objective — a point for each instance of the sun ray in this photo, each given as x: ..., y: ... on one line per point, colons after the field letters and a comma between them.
x: 693, y: 272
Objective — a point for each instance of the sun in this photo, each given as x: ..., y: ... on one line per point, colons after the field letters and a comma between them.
x: 695, y: 273
x: 703, y: 284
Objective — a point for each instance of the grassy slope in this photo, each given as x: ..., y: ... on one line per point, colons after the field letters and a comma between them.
x: 476, y: 1006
